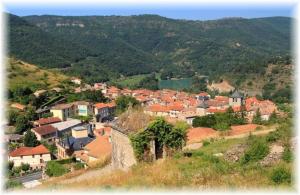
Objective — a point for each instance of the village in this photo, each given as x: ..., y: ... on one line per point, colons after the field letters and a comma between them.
x: 82, y: 133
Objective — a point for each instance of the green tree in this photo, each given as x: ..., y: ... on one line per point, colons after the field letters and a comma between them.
x: 257, y: 117
x: 22, y: 124
x: 10, y: 165
x: 123, y: 102
x: 12, y: 117
x: 30, y: 139
x: 25, y: 167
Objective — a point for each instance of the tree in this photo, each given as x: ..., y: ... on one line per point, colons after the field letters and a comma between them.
x: 10, y: 165
x: 30, y: 139
x: 204, y: 121
x: 12, y: 117
x: 257, y: 117
x: 22, y: 124
x: 25, y: 167
x: 123, y: 102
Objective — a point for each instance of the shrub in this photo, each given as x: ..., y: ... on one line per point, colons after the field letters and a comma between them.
x: 205, y: 143
x: 257, y: 150
x: 78, y: 166
x: 287, y: 154
x: 273, y: 136
x: 55, y: 169
x: 281, y: 175
x: 25, y: 167
x: 10, y: 184
x: 10, y: 165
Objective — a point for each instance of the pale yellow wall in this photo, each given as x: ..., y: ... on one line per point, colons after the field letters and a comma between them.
x: 32, y: 160
x: 58, y: 113
x: 81, y: 133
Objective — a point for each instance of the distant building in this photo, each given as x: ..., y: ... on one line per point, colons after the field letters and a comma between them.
x: 46, y: 121
x: 76, y: 81
x: 104, y: 111
x: 45, y: 133
x: 38, y: 93
x: 36, y: 157
x: 18, y: 106
x: 236, y: 99
x: 83, y: 108
x: 63, y: 111
x: 80, y: 137
x: 64, y: 128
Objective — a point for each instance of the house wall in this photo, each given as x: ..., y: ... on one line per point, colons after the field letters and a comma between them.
x: 122, y: 151
x: 81, y: 133
x: 58, y: 113
x: 235, y: 101
x: 34, y: 160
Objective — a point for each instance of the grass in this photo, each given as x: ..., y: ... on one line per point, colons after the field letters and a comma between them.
x: 200, y: 171
x: 24, y: 74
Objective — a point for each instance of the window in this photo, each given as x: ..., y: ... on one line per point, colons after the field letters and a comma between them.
x: 21, y: 157
x: 32, y: 156
x: 41, y: 155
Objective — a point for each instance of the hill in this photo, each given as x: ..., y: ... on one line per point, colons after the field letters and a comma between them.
x: 101, y: 48
x: 23, y: 74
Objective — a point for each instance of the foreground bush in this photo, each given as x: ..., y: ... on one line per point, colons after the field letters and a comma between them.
x: 13, y: 184
x: 257, y: 150
x: 281, y: 175
x: 55, y: 169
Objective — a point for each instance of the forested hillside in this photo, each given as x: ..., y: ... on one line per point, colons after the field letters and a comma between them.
x: 100, y: 48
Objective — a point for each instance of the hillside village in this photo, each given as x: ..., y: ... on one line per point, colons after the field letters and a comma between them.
x: 68, y: 136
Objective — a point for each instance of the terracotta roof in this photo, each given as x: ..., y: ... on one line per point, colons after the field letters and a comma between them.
x: 62, y: 106
x: 176, y: 107
x: 18, y: 106
x: 158, y: 108
x: 27, y: 151
x: 99, y: 147
x: 100, y: 105
x: 214, y: 110
x: 44, y: 130
x: 241, y: 129
x: 200, y: 133
x: 49, y: 120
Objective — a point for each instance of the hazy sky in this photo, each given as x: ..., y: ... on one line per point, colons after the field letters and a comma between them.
x: 186, y: 12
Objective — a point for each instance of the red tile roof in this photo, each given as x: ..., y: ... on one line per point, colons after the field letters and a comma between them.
x: 158, y: 108
x: 45, y: 129
x: 18, y: 106
x: 27, y: 151
x: 200, y: 133
x: 49, y: 120
x: 100, y: 147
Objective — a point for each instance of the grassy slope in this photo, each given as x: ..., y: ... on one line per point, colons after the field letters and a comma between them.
x: 199, y: 172
x: 24, y: 74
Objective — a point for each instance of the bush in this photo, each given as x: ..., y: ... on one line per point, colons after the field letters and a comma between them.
x: 257, y: 150
x: 25, y: 167
x: 281, y: 175
x: 10, y: 184
x: 287, y: 154
x: 66, y: 161
x: 205, y: 143
x: 55, y: 169
x: 273, y: 136
x: 78, y: 166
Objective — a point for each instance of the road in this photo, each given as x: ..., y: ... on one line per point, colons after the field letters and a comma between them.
x: 29, y: 177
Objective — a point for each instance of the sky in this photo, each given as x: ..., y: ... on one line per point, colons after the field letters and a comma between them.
x: 183, y: 12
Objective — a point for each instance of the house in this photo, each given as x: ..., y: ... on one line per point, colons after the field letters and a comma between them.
x: 46, y: 121
x: 45, y: 133
x: 36, y: 157
x: 64, y: 128
x: 76, y: 81
x: 38, y: 93
x: 202, y: 96
x: 80, y: 137
x: 63, y: 111
x: 157, y: 110
x: 199, y: 134
x: 18, y: 106
x: 100, y: 148
x: 202, y: 108
x: 83, y: 108
x: 104, y: 111
x: 13, y: 138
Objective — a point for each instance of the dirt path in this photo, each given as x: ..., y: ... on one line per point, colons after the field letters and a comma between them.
x: 261, y: 132
x: 89, y: 174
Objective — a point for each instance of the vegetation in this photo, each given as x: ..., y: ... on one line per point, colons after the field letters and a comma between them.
x: 281, y: 175
x: 257, y: 150
x: 30, y: 139
x: 89, y: 95
x: 149, y: 43
x: 220, y: 121
x: 54, y: 169
x: 164, y: 135
x: 11, y: 184
x: 123, y: 102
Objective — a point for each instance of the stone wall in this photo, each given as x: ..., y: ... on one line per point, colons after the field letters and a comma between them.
x: 122, y: 151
